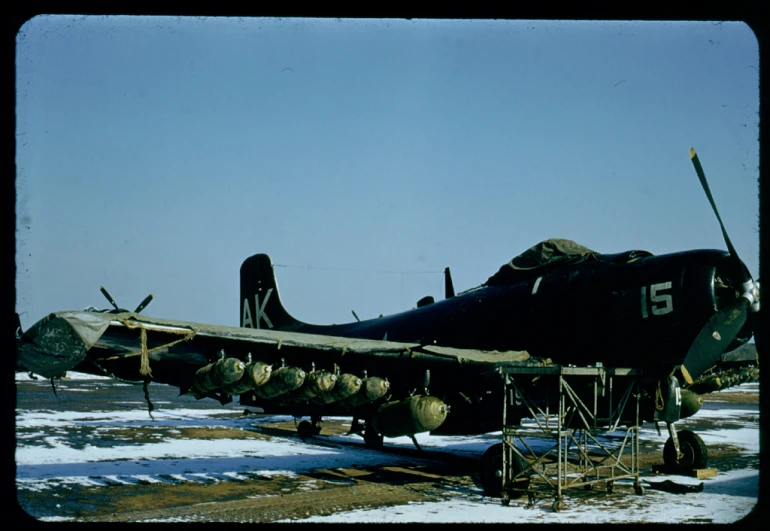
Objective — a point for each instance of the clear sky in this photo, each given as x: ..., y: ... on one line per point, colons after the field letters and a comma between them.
x: 155, y: 154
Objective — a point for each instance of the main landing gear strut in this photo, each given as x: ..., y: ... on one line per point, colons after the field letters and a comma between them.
x: 372, y: 439
x: 684, y: 451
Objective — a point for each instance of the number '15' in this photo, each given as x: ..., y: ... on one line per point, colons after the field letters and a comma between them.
x: 659, y: 303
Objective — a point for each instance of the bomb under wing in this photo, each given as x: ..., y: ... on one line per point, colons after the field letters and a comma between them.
x: 316, y: 382
x: 416, y: 414
x: 282, y: 381
x: 255, y: 374
x: 215, y: 376
x: 346, y: 385
x: 371, y: 390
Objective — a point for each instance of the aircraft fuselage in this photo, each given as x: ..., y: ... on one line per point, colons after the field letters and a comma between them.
x: 575, y: 314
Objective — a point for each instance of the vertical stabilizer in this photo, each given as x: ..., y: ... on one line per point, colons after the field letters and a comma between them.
x: 260, y: 304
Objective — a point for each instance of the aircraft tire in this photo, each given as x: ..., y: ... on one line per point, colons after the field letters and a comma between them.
x: 693, y: 448
x: 492, y: 473
x: 305, y: 429
x: 492, y: 470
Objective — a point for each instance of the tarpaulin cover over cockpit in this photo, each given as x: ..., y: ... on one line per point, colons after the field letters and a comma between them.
x: 553, y: 253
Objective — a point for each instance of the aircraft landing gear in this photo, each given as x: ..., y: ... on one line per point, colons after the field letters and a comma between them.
x: 414, y: 440
x: 684, y: 450
x: 372, y: 439
x: 492, y: 474
x: 492, y: 470
x: 356, y: 427
x: 307, y: 429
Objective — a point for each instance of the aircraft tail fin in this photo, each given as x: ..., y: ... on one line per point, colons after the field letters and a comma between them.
x: 260, y: 304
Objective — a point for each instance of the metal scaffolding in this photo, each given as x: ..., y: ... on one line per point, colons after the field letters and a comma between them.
x: 581, y: 460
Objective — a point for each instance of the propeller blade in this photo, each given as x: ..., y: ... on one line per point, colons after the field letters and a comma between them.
x: 754, y: 322
x: 711, y: 342
x: 109, y: 299
x: 739, y: 267
x: 449, y: 290
x: 19, y: 330
x: 144, y: 303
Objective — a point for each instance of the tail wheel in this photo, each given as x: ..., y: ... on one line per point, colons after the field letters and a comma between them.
x: 694, y: 450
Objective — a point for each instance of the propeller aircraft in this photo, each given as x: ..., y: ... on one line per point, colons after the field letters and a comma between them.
x: 436, y: 368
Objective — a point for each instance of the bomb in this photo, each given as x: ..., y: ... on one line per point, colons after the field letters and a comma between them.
x: 691, y: 403
x: 372, y: 389
x: 282, y: 381
x: 216, y: 375
x: 346, y: 386
x: 416, y: 414
x: 316, y: 382
x: 255, y: 374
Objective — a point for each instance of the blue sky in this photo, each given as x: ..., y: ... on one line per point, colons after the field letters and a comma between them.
x: 155, y: 154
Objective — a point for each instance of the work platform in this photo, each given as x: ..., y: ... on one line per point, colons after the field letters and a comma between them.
x: 590, y: 400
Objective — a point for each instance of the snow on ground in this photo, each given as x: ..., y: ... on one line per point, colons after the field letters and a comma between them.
x: 58, y: 461
x: 46, y: 455
x: 23, y: 377
x: 752, y: 387
x: 725, y: 499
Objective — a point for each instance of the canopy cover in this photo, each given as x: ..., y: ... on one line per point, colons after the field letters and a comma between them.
x: 553, y: 253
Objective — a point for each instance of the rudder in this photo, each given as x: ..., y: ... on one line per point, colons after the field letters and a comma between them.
x: 260, y: 304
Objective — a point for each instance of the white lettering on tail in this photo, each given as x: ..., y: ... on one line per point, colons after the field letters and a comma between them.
x: 246, y: 319
x: 261, y: 309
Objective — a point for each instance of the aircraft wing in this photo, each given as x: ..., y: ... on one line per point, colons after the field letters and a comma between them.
x: 137, y: 347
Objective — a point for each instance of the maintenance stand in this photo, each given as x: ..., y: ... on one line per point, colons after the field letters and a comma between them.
x: 581, y: 459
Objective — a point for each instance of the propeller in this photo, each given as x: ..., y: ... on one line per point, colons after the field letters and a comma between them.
x: 738, y: 266
x: 144, y: 303
x: 139, y: 308
x: 755, y: 325
x: 724, y: 326
x: 109, y: 298
x: 711, y: 341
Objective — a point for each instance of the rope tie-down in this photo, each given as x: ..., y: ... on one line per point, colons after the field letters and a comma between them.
x: 144, y: 352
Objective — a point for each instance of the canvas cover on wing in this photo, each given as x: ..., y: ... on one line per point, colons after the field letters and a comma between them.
x: 551, y: 253
x: 56, y: 343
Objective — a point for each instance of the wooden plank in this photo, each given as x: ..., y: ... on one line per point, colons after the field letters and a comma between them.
x: 702, y: 473
x: 699, y: 473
